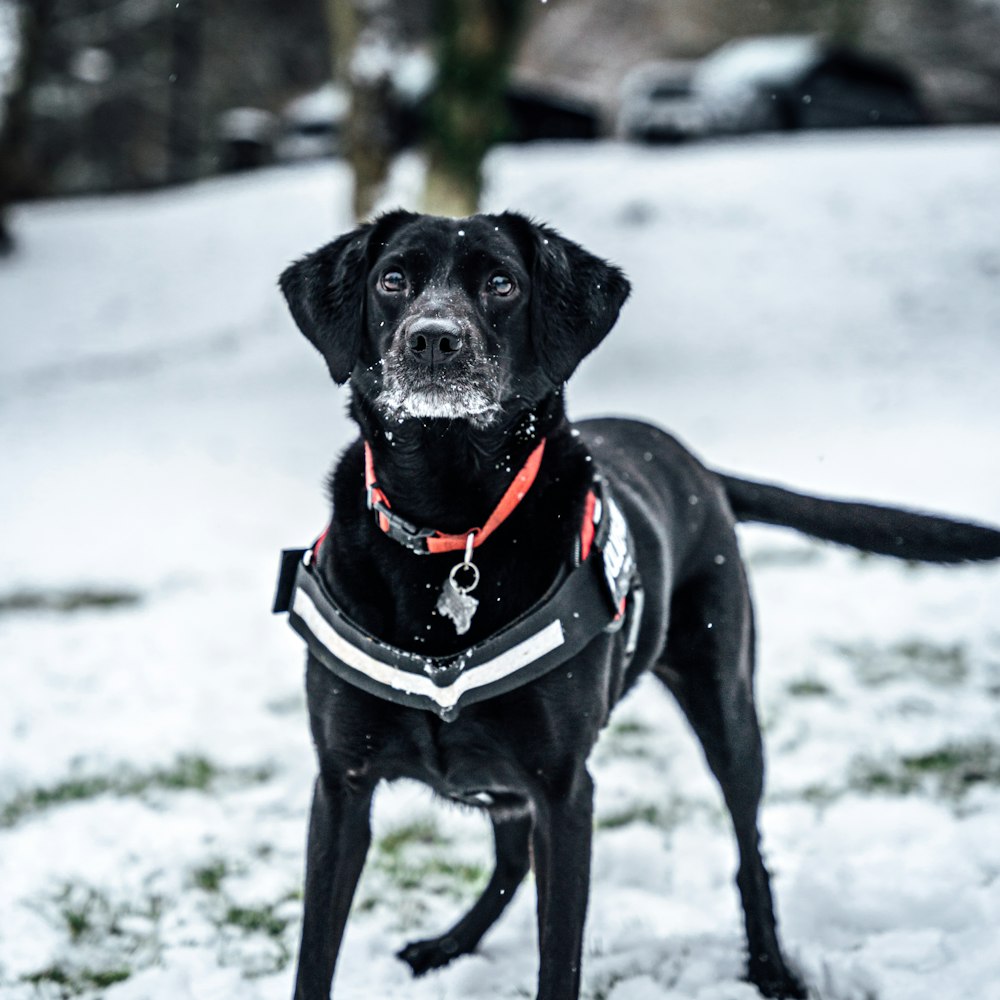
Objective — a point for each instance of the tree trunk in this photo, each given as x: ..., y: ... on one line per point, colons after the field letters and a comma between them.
x: 849, y: 19
x: 366, y: 38
x: 184, y: 127
x: 34, y: 19
x: 476, y: 44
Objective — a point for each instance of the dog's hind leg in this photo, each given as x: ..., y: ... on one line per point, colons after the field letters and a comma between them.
x: 709, y: 669
x: 510, y: 839
x: 339, y: 836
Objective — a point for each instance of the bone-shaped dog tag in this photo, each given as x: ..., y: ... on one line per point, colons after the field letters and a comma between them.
x: 454, y: 601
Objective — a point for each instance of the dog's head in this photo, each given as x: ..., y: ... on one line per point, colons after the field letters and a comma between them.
x: 453, y: 318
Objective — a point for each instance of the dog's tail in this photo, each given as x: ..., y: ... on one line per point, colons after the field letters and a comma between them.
x: 886, y: 531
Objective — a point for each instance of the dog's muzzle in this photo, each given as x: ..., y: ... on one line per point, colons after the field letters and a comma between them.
x: 436, y: 368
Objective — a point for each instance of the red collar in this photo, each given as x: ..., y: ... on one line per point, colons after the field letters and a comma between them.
x: 430, y: 540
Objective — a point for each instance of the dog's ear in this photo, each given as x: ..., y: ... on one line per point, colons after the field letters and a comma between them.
x: 576, y: 298
x: 325, y: 291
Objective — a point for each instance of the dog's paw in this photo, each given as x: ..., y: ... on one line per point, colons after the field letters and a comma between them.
x: 775, y: 979
x: 422, y: 956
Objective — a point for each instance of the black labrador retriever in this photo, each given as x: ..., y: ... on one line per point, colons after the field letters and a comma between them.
x: 494, y: 579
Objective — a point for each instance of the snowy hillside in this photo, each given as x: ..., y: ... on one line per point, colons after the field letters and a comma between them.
x: 818, y: 311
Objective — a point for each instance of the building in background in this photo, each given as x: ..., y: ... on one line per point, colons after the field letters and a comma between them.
x: 131, y: 94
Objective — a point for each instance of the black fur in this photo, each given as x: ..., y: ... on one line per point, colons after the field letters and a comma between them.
x: 446, y: 467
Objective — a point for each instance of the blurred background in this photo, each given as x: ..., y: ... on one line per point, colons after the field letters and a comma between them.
x: 114, y: 96
x: 806, y: 197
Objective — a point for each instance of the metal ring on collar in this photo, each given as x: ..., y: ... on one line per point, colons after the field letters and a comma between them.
x: 475, y: 577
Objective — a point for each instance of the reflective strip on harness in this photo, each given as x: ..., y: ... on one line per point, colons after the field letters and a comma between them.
x: 527, y: 651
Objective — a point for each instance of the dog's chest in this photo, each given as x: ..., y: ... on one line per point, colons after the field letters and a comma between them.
x: 417, y: 600
x: 468, y: 764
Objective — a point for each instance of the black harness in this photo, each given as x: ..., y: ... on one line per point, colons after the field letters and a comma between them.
x: 599, y: 591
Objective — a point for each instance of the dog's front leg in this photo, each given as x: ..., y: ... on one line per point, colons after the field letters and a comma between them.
x: 561, y: 849
x: 339, y: 835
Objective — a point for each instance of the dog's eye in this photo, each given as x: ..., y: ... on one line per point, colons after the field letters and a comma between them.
x: 393, y: 281
x: 501, y: 284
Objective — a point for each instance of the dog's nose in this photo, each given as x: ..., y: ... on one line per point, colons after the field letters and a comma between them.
x: 434, y: 341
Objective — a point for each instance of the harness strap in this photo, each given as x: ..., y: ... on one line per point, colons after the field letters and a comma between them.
x: 557, y: 628
x: 597, y: 594
x: 430, y: 540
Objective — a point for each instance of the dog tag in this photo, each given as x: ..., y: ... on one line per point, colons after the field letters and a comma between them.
x: 455, y: 602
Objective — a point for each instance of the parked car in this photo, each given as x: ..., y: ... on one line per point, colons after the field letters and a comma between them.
x: 767, y: 84
x: 246, y: 139
x: 539, y: 113
x: 312, y: 125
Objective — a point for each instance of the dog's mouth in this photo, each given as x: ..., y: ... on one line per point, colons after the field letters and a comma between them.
x: 468, y: 390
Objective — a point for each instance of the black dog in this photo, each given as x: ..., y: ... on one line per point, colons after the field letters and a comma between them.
x: 600, y: 551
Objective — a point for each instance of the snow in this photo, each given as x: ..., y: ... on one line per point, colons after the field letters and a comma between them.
x: 751, y: 62
x: 246, y: 124
x: 326, y: 104
x: 819, y: 311
x: 410, y: 69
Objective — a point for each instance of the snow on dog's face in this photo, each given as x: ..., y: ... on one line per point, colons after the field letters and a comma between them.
x: 453, y: 318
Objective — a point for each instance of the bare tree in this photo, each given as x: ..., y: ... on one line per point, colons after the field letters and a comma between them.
x: 476, y: 45
x: 183, y: 123
x: 369, y: 41
x: 473, y: 42
x: 25, y: 25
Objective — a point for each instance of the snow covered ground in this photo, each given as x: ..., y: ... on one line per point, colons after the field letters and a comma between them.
x: 819, y: 311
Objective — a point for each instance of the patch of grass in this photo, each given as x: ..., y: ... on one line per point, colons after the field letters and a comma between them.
x: 209, y: 877
x: 940, y: 664
x: 418, y: 856
x: 38, y: 799
x: 808, y: 687
x: 667, y: 815
x: 77, y: 921
x: 86, y: 912
x: 106, y: 939
x: 601, y: 991
x: 89, y: 915
x: 256, y: 920
x: 949, y: 771
x: 420, y: 831
x: 638, y: 813
x: 67, y: 601
x: 73, y: 982
x: 815, y: 795
x: 247, y: 925
x: 437, y: 875
x: 627, y: 738
x: 187, y: 772
x: 102, y: 978
x: 629, y: 727
x: 818, y: 795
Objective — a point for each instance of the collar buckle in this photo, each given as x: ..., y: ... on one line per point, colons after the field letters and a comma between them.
x: 396, y: 527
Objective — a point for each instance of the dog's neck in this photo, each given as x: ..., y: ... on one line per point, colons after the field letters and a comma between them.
x: 448, y: 474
